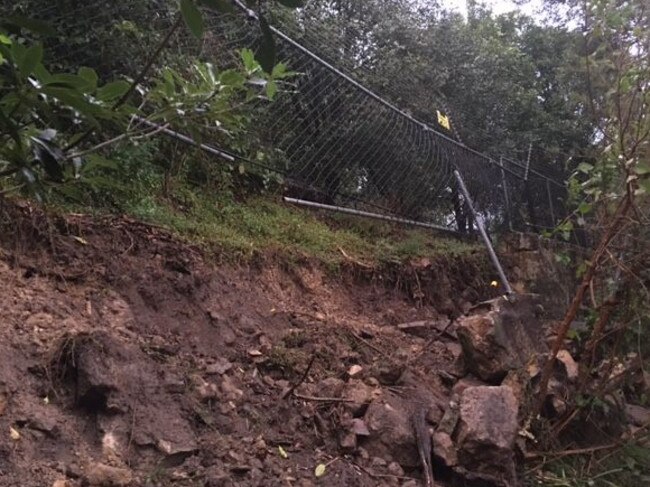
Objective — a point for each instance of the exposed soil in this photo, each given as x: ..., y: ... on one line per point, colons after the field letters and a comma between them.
x: 130, y: 358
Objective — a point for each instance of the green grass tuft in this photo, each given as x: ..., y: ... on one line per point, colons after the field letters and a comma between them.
x: 261, y: 224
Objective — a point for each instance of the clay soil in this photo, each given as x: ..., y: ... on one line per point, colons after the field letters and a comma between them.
x: 128, y: 357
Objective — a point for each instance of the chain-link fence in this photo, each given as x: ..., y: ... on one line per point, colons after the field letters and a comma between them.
x: 333, y: 140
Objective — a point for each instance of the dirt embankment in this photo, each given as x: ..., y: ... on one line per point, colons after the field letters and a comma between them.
x: 130, y: 358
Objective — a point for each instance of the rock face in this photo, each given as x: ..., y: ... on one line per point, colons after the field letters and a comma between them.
x: 119, y: 385
x: 501, y: 335
x: 486, y: 432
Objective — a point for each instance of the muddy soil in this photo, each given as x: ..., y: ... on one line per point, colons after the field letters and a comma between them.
x: 128, y: 357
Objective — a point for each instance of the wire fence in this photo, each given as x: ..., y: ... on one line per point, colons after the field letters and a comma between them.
x: 332, y: 138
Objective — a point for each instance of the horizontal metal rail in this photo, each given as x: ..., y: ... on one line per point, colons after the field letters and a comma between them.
x: 186, y: 139
x: 367, y: 214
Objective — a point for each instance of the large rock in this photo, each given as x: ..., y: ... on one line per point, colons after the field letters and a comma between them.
x: 486, y: 432
x: 391, y: 432
x: 501, y: 335
x: 124, y: 389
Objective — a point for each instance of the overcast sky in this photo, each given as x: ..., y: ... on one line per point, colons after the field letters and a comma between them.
x: 532, y: 8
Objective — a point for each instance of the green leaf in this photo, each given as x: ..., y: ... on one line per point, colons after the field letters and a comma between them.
x: 42, y: 74
x: 27, y: 59
x: 95, y: 161
x: 292, y: 3
x: 193, y: 17
x: 74, y: 100
x: 169, y: 83
x: 5, y: 40
x: 584, y: 208
x: 266, y: 53
x: 248, y: 57
x: 90, y: 76
x: 585, y: 168
x: 271, y: 89
x: 112, y: 91
x: 231, y: 77
x: 223, y: 6
x: 279, y: 71
x: 74, y: 81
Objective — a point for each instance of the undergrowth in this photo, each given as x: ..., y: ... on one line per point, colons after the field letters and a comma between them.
x: 259, y: 224
x: 203, y: 201
x: 624, y: 466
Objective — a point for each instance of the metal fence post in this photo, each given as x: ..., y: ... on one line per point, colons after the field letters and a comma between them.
x: 527, y: 189
x: 506, y: 196
x: 550, y: 202
x: 484, y: 234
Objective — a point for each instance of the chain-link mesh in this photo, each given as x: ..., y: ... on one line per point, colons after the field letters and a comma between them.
x: 334, y: 140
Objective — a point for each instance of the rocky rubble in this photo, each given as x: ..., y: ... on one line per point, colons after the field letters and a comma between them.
x: 501, y: 335
x: 150, y: 368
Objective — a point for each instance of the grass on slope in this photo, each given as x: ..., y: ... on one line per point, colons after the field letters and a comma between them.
x: 263, y: 224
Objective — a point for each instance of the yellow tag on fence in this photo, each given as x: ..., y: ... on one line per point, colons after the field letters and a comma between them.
x: 443, y: 120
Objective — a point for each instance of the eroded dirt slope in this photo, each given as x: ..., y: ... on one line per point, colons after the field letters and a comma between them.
x: 129, y: 358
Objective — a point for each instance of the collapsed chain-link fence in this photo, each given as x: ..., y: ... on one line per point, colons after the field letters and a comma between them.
x: 334, y: 141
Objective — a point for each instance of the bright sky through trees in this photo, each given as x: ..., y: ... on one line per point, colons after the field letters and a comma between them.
x: 532, y: 8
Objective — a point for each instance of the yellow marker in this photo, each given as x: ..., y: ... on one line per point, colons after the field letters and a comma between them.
x: 443, y: 120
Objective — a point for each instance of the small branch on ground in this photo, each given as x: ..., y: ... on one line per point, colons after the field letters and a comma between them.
x: 378, y: 475
x: 293, y: 388
x: 353, y: 260
x: 322, y: 399
x: 368, y: 344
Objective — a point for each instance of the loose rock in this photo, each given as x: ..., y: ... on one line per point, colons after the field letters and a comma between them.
x: 391, y: 433
x: 500, y: 335
x: 355, y: 370
x: 444, y: 449
x: 101, y: 475
x: 359, y: 396
x: 637, y: 415
x: 348, y: 442
x: 487, y: 430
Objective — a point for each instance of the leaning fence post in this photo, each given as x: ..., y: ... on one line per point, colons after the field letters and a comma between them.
x: 550, y: 202
x: 506, y: 196
x: 483, y: 232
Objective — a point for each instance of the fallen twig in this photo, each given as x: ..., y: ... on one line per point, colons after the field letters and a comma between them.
x: 368, y: 344
x: 354, y: 261
x: 322, y: 399
x: 293, y: 388
x: 379, y: 475
x: 568, y: 453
